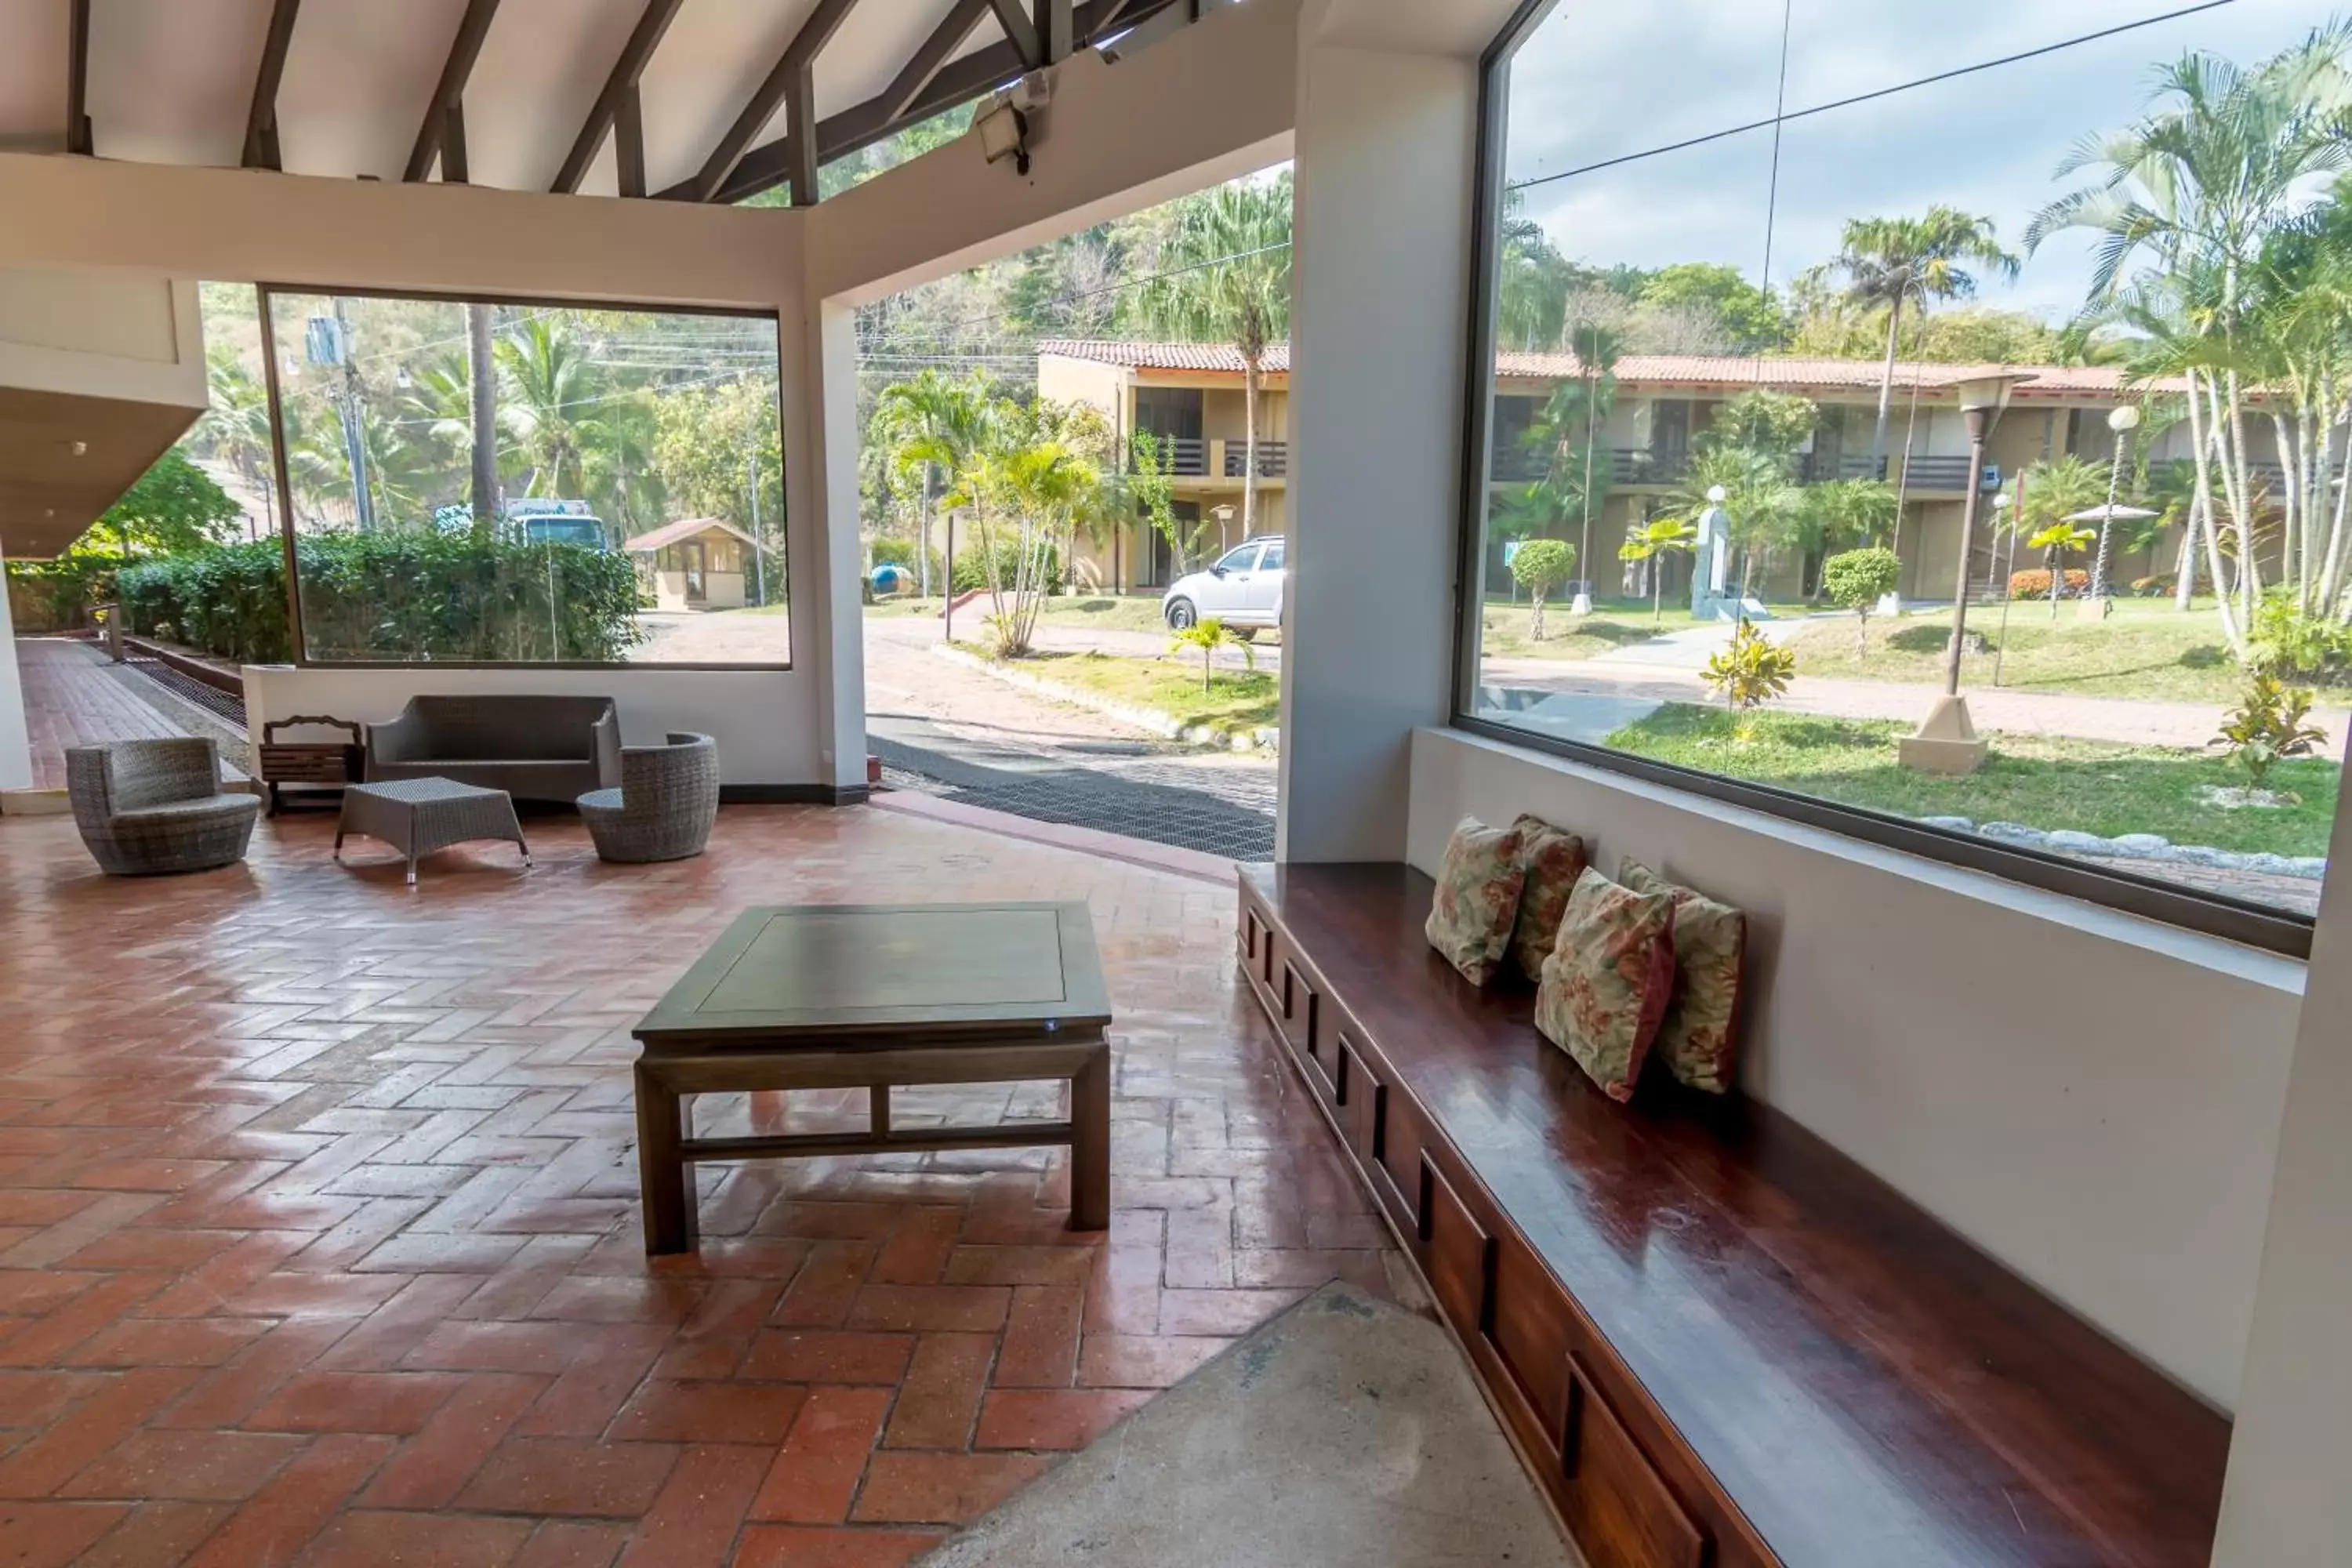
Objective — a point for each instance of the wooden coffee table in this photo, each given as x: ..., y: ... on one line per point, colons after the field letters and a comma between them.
x: 874, y: 995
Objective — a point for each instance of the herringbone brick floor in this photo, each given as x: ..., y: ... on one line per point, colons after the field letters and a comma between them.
x: 319, y: 1241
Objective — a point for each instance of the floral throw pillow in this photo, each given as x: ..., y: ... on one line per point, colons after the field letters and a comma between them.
x: 1710, y: 942
x: 1606, y: 982
x: 1477, y: 898
x: 1551, y: 861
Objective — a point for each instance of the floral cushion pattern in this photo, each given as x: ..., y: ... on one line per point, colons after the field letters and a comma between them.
x: 1552, y: 861
x: 1477, y: 898
x: 1710, y: 942
x: 1606, y: 983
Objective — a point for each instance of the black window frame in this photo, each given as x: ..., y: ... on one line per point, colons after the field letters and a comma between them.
x: 264, y: 292
x: 2149, y: 898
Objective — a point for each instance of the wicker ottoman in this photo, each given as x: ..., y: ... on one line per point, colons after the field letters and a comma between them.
x: 417, y: 816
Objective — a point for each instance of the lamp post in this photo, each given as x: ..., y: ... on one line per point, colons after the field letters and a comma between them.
x: 1947, y: 742
x: 2122, y: 420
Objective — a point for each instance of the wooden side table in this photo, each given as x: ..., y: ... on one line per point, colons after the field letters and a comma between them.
x: 308, y: 765
x: 876, y: 996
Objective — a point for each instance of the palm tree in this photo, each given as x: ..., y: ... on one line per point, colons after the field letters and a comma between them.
x: 2056, y: 490
x: 554, y: 389
x: 932, y: 423
x: 238, y: 423
x: 1899, y: 261
x: 1651, y: 543
x: 1578, y: 467
x: 1224, y: 276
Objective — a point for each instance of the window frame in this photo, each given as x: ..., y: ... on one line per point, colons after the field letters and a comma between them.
x: 265, y: 292
x: 2131, y: 893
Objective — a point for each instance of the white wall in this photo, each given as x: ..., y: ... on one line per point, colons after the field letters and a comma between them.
x: 761, y: 719
x: 15, y: 744
x: 2092, y: 1098
x: 2285, y: 1501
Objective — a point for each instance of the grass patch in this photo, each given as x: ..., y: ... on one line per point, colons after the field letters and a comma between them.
x: 1613, y: 624
x: 2042, y: 782
x: 1120, y: 612
x: 2145, y: 649
x: 1236, y: 704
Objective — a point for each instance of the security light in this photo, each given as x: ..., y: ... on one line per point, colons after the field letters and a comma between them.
x: 1004, y: 133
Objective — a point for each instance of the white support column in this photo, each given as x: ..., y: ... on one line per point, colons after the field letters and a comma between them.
x: 15, y: 746
x: 1386, y: 153
x: 2286, y: 1500
x: 829, y: 585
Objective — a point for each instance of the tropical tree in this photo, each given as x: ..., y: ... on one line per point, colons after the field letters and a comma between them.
x: 1225, y: 277
x: 933, y: 425
x: 2056, y: 489
x: 552, y: 402
x: 1651, y: 543
x: 1857, y: 580
x: 236, y: 422
x: 1207, y: 637
x: 1541, y: 566
x: 1892, y: 263
x: 1533, y: 281
x: 171, y: 510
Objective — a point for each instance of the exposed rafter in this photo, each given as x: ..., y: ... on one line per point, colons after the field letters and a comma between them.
x: 261, y: 120
x: 450, y: 90
x: 1056, y: 35
x: 621, y: 87
x: 452, y: 143
x: 946, y: 38
x: 79, y: 138
x: 792, y: 78
x: 1020, y: 32
x: 629, y: 144
x: 959, y: 82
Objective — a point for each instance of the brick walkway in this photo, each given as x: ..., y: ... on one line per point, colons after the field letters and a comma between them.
x: 73, y: 698
x: 319, y: 1241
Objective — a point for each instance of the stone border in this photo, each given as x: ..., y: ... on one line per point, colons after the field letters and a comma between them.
x: 2136, y: 846
x: 1152, y: 720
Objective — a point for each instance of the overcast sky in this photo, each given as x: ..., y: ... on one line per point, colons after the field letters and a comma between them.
x: 1601, y: 78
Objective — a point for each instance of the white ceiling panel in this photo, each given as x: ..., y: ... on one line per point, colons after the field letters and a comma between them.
x: 714, y: 57
x: 358, y: 76
x: 171, y: 81
x: 33, y: 77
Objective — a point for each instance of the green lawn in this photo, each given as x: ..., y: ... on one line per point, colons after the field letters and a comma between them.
x: 2145, y: 649
x: 1613, y: 624
x: 2050, y: 783
x: 1236, y: 701
x: 1126, y: 612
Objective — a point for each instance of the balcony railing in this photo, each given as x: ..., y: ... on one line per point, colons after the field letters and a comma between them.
x: 1273, y: 459
x: 1936, y: 474
x: 1822, y: 468
x: 1627, y: 466
x: 1182, y: 457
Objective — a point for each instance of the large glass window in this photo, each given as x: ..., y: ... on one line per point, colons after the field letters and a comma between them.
x: 497, y: 482
x: 1894, y: 415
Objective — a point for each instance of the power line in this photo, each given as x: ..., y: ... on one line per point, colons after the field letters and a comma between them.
x: 946, y: 327
x: 1779, y: 119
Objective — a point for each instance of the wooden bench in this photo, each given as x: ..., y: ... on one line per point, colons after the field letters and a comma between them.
x: 1719, y: 1341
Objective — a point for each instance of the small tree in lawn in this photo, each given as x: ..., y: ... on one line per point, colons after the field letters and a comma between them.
x: 1856, y: 581
x: 2055, y: 542
x: 1541, y: 566
x: 1651, y: 543
x: 1209, y: 635
x: 2267, y: 726
x: 1749, y: 673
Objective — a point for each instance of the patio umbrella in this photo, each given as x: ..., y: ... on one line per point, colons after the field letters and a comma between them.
x: 2104, y: 514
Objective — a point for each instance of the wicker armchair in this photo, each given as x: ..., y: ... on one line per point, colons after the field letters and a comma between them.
x: 664, y: 808
x: 149, y: 807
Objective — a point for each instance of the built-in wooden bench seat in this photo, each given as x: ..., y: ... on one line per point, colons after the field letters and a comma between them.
x: 1722, y: 1342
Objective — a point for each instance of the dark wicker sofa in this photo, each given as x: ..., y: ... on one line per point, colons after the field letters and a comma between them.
x: 535, y: 748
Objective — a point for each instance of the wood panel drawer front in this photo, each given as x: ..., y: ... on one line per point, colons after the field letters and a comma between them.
x: 1392, y: 1155
x: 1458, y: 1252
x: 1253, y: 937
x: 1302, y: 1008
x: 1620, y: 1513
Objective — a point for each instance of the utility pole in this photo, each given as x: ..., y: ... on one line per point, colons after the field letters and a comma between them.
x: 482, y: 384
x: 759, y: 555
x: 354, y: 440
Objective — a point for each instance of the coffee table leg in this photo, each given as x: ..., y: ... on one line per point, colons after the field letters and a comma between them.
x: 665, y: 1179
x: 1090, y: 1143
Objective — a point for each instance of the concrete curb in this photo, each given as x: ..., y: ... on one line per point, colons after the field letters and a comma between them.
x: 1147, y: 719
x: 2136, y: 847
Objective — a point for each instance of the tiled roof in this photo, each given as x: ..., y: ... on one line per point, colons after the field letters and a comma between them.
x: 683, y: 529
x: 1669, y: 369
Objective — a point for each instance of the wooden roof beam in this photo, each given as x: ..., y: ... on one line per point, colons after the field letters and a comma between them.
x: 450, y: 93
x: 792, y: 78
x: 79, y: 138
x: 620, y: 87
x: 1020, y: 32
x: 261, y: 120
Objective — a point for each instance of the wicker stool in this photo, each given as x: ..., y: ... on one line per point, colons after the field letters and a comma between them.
x: 147, y: 808
x: 665, y: 805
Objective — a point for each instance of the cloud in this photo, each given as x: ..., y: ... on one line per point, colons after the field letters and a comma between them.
x: 1603, y: 80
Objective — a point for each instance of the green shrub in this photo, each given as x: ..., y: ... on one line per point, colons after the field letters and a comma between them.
x: 972, y: 567
x: 1541, y: 566
x: 1752, y: 670
x: 2295, y: 644
x: 1856, y: 581
x: 2156, y: 587
x: 2035, y: 584
x: 405, y: 596
x: 2266, y: 725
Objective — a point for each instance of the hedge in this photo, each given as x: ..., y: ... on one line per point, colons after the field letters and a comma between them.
x: 2035, y: 585
x: 401, y: 596
x: 972, y: 567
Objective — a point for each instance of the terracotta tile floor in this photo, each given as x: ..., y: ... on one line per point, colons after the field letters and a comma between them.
x: 319, y: 1241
